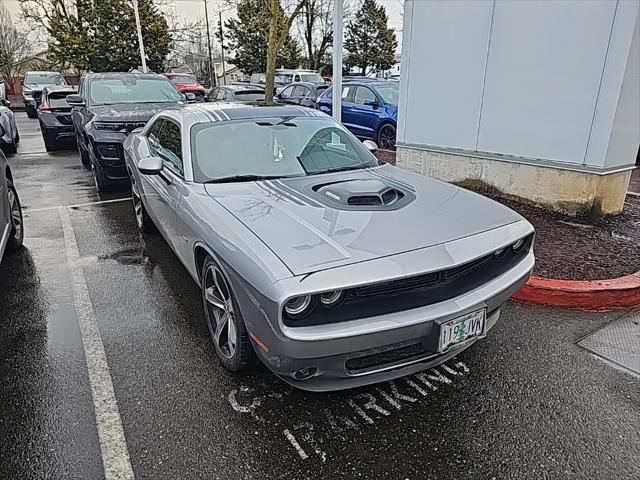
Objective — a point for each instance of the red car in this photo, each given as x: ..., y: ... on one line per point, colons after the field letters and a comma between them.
x: 186, y: 83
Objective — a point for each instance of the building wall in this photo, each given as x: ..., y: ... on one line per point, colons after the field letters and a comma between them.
x: 553, y: 81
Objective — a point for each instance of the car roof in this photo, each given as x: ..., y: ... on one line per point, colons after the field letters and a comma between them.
x: 175, y: 74
x: 237, y: 88
x: 110, y: 75
x: 42, y: 71
x: 309, y: 84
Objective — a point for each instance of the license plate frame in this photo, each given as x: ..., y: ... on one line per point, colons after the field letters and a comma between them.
x: 475, y: 324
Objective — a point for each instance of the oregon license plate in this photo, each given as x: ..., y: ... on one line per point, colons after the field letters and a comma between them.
x: 461, y: 329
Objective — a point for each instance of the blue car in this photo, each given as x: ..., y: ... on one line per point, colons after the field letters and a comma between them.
x: 369, y: 109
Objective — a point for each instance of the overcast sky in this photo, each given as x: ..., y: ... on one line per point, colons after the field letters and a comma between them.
x: 192, y: 10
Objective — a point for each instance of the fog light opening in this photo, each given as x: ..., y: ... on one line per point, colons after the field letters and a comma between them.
x: 305, y: 373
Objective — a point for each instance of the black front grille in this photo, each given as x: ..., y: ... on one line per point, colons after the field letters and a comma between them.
x: 418, y: 291
x: 390, y: 356
x: 131, y: 126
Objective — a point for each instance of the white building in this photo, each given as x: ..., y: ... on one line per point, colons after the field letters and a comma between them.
x: 540, y: 99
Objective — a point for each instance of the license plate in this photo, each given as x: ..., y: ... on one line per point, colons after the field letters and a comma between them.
x: 461, y: 329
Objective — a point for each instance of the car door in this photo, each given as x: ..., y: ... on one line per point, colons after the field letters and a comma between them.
x: 349, y: 118
x: 162, y: 192
x: 364, y: 112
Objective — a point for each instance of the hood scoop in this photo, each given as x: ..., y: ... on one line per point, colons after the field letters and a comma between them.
x: 361, y: 194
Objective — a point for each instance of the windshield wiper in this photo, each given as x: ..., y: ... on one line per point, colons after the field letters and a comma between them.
x: 339, y: 169
x: 245, y: 178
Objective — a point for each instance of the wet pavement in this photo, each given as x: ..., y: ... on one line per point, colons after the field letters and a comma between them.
x: 526, y: 402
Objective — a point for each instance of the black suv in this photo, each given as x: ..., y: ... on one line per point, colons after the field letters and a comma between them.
x: 107, y: 108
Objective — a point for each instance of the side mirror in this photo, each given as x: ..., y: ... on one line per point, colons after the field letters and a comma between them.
x: 190, y: 96
x: 6, y: 103
x: 371, y: 146
x: 150, y: 166
x: 75, y: 100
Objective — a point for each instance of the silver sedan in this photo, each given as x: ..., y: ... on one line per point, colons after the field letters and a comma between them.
x: 334, y: 269
x: 9, y: 136
x: 11, y: 232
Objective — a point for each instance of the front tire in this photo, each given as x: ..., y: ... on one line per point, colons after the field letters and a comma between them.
x: 84, y: 155
x: 226, y: 325
x: 16, y: 236
x: 145, y: 224
x: 103, y: 184
x: 387, y: 136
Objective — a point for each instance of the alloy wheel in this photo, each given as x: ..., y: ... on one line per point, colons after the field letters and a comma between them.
x: 220, y: 311
x: 16, y: 216
x: 137, y: 204
x: 387, y: 137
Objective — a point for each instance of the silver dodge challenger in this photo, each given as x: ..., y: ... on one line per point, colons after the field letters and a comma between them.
x: 334, y: 269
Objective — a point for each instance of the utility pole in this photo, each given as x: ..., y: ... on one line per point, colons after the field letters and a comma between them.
x: 336, y: 101
x: 140, y: 42
x: 212, y: 77
x: 224, y: 68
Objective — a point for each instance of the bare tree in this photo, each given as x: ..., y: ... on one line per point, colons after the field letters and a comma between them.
x: 14, y: 46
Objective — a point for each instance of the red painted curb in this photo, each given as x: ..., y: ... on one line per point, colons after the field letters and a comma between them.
x: 594, y: 295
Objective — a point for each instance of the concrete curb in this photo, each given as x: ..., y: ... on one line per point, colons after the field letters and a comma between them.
x: 593, y: 295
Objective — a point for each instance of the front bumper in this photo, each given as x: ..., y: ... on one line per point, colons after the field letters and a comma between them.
x: 335, y: 357
x: 107, y: 150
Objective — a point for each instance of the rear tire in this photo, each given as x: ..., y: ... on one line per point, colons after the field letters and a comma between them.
x: 17, y: 231
x: 230, y: 338
x: 31, y: 112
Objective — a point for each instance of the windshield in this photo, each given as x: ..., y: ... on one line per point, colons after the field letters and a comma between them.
x: 182, y: 79
x: 44, y: 79
x: 311, y: 77
x: 133, y: 90
x: 58, y: 99
x: 284, y: 77
x: 389, y: 93
x: 275, y: 147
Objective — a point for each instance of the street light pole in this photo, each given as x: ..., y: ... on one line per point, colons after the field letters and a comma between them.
x: 224, y: 69
x: 140, y: 42
x: 212, y: 78
x: 338, y: 11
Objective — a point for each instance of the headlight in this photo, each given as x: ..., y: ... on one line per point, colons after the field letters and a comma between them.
x: 332, y: 299
x: 518, y: 245
x: 299, y: 307
x: 111, y: 126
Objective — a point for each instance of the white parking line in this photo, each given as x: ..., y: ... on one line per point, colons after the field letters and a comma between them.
x: 87, y: 204
x: 115, y: 455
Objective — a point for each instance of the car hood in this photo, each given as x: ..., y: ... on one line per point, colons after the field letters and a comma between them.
x: 130, y: 112
x: 34, y: 87
x: 310, y: 234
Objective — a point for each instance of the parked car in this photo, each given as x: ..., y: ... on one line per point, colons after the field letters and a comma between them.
x: 260, y: 80
x: 3, y: 91
x: 236, y: 93
x: 107, y: 108
x: 186, y: 83
x: 302, y: 93
x: 11, y: 226
x: 32, y: 86
x: 336, y: 270
x: 369, y: 109
x: 9, y: 136
x: 54, y: 116
x: 297, y: 76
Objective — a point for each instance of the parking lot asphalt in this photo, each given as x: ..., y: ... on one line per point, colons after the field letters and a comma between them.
x: 525, y: 403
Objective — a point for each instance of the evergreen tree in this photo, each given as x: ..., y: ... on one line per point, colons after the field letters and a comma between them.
x: 246, y: 39
x: 100, y: 35
x: 369, y: 41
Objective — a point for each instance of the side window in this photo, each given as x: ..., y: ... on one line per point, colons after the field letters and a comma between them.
x: 170, y: 149
x: 211, y: 96
x: 221, y: 95
x: 287, y: 92
x: 81, y: 87
x: 165, y: 142
x: 300, y: 91
x: 364, y: 95
x: 345, y: 93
